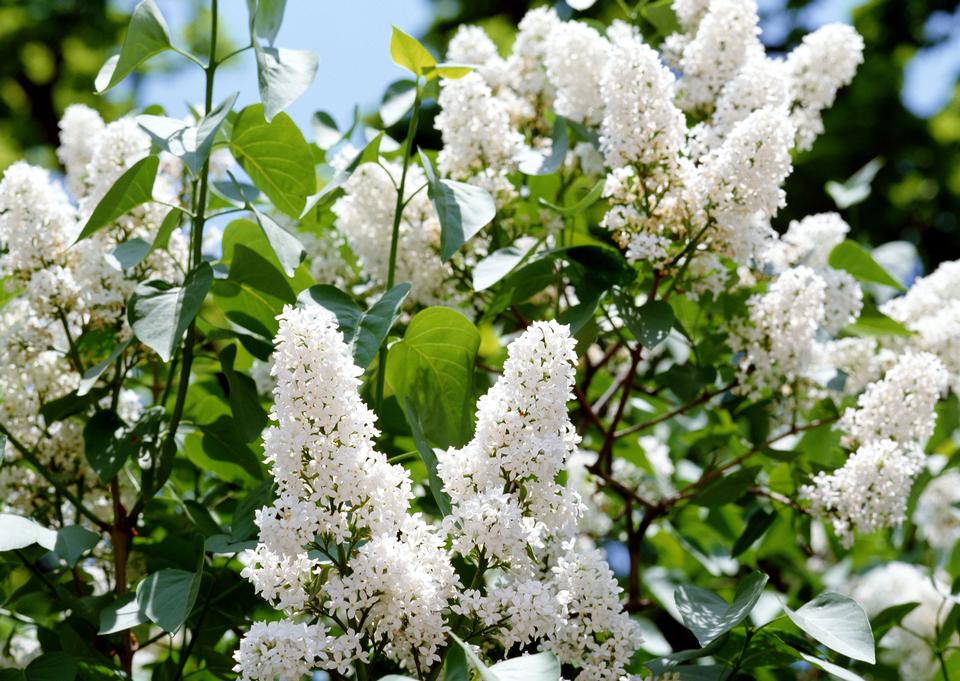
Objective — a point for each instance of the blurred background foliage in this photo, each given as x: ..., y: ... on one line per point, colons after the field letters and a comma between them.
x: 903, y: 108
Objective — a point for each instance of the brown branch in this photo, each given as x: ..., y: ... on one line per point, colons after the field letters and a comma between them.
x: 705, y: 397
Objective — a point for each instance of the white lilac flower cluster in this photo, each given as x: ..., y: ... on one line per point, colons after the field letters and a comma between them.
x: 893, y: 419
x: 937, y: 515
x: 364, y: 218
x: 910, y: 644
x: 64, y: 290
x: 338, y: 544
x: 669, y: 187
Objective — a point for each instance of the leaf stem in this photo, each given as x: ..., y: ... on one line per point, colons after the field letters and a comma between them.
x: 395, y: 234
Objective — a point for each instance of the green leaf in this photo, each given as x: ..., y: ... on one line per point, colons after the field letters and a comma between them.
x: 222, y: 544
x: 408, y: 53
x: 757, y: 524
x: 283, y: 75
x: 275, y: 156
x: 124, y: 613
x: 872, y: 322
x: 73, y: 541
x: 857, y: 188
x: 447, y: 70
x: 397, y: 101
x: 167, y: 597
x: 160, y: 313
x: 248, y: 414
x: 286, y: 246
x: 500, y: 263
x: 429, y: 458
x: 463, y: 209
x: 221, y: 441
x: 727, y: 489
x: 268, y: 17
x: 242, y: 527
x: 851, y: 257
x: 432, y: 367
x: 538, y: 667
x: 890, y: 617
x: 131, y: 253
x: 103, y: 449
x: 364, y: 330
x: 369, y: 154
x: 708, y: 616
x: 588, y: 200
x: 147, y: 35
x: 91, y: 375
x: 185, y: 141
x: 661, y: 15
x: 831, y: 668
x: 17, y: 532
x: 169, y: 224
x: 455, y: 665
x: 52, y: 666
x: 839, y: 623
x: 535, y: 163
x: 131, y: 189
x: 325, y: 131
x: 650, y: 323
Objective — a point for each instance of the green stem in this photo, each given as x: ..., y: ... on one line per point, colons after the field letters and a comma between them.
x: 196, y: 239
x: 395, y: 235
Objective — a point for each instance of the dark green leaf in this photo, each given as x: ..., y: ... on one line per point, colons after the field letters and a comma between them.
x: 276, y: 157
x: 102, y: 446
x: 130, y: 190
x: 429, y: 458
x: 91, y: 375
x: 159, y: 313
x: 123, y: 613
x: 73, y: 541
x: 221, y: 441
x: 708, y: 616
x: 242, y: 527
x: 249, y: 415
x: 147, y: 35
x: 758, y: 523
x: 131, y: 252
x: 286, y: 246
x: 727, y: 489
x: 851, y: 257
x: 283, y: 75
x: 17, y: 532
x: 169, y: 224
x: 535, y: 163
x: 498, y: 264
x: 167, y: 597
x: 432, y: 367
x: 463, y: 209
x: 455, y: 665
x: 52, y: 666
x: 325, y: 132
x: 839, y: 623
x: 366, y: 331
x: 376, y: 323
x: 888, y: 618
x: 188, y: 142
x: 222, y: 544
x: 650, y: 323
x: 831, y: 668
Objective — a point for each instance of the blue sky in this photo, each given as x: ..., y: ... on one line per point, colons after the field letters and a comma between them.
x: 352, y: 39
